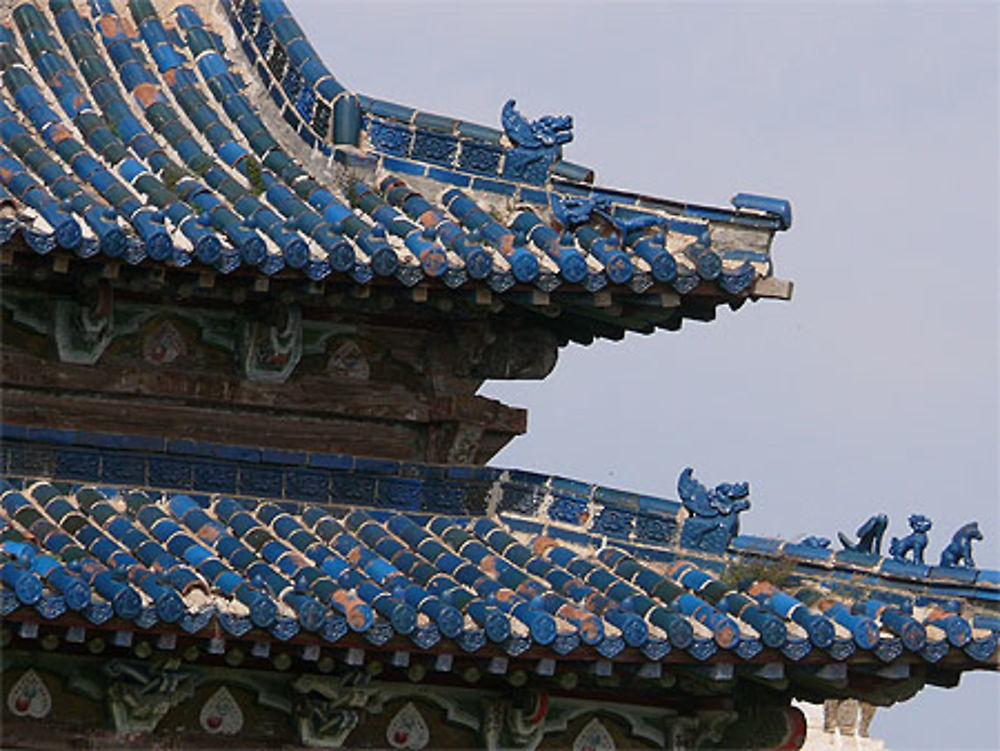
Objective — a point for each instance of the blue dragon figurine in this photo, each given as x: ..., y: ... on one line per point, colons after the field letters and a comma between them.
x: 714, y: 519
x: 914, y: 543
x: 537, y: 143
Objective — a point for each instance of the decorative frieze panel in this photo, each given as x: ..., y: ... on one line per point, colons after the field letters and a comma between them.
x: 328, y: 708
x: 140, y: 694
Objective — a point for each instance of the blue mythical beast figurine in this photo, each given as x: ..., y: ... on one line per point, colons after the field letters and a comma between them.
x: 960, y: 547
x: 815, y: 542
x: 714, y: 519
x: 537, y: 143
x: 914, y: 543
x: 572, y: 212
x: 869, y: 536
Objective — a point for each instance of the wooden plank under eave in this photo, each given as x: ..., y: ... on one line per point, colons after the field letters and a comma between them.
x: 773, y: 288
x: 666, y: 299
x: 602, y: 299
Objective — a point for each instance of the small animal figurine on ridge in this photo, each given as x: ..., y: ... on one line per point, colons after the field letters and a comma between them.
x: 815, y: 542
x: 869, y: 536
x: 913, y: 543
x: 960, y: 547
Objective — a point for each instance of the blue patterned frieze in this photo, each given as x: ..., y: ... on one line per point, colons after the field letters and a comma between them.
x: 655, y: 528
x: 434, y: 147
x: 959, y: 551
x: 869, y: 536
x: 400, y: 493
x: 614, y: 522
x: 714, y: 514
x: 214, y: 477
x: 447, y: 498
x: 479, y: 157
x: 914, y: 543
x: 389, y: 137
x: 537, y: 143
x: 353, y: 489
x: 521, y: 500
x: 568, y: 509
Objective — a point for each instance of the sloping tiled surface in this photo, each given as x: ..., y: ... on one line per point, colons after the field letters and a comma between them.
x: 201, y: 562
x: 137, y: 136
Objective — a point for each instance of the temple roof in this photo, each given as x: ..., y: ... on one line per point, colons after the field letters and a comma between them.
x: 212, y: 137
x: 204, y: 541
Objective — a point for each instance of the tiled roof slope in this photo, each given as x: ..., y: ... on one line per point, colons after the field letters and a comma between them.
x: 448, y: 559
x: 146, y: 136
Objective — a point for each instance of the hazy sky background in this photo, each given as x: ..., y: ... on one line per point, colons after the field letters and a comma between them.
x: 876, y: 388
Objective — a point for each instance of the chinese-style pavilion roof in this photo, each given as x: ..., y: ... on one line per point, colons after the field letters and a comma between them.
x: 212, y: 137
x: 141, y: 535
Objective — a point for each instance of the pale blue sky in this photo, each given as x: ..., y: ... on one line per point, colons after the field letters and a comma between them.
x: 876, y: 387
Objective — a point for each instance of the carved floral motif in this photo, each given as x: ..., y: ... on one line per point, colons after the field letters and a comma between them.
x: 221, y: 714
x: 407, y: 729
x: 29, y: 697
x: 348, y: 361
x: 594, y: 737
x: 164, y: 345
